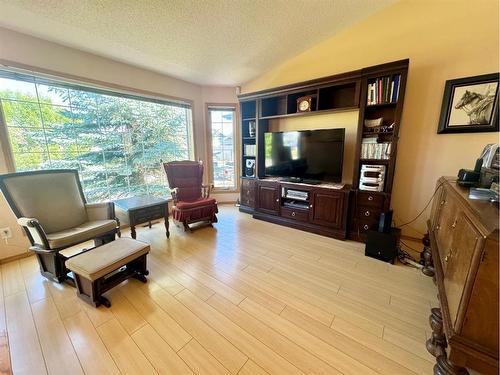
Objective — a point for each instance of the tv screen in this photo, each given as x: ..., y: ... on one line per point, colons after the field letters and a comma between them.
x: 313, y: 155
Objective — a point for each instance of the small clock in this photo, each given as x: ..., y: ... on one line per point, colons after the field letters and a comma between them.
x: 304, y: 104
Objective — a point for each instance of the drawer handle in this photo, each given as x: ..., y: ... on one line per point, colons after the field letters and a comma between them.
x: 370, y: 198
x: 310, y: 206
x: 293, y: 213
x: 367, y: 213
x: 448, y: 256
x: 365, y: 227
x: 454, y: 224
x: 277, y: 199
x: 437, y: 227
x: 443, y: 202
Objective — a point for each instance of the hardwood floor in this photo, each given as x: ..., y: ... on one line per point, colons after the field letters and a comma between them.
x: 245, y: 297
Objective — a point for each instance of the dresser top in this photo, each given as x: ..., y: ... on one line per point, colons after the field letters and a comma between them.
x: 487, y: 213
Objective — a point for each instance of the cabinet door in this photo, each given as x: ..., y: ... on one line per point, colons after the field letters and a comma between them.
x: 465, y: 244
x: 268, y: 199
x: 327, y: 209
x: 247, y: 196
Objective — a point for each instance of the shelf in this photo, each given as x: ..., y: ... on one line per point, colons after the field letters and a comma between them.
x: 248, y: 119
x: 372, y: 133
x: 376, y: 161
x: 249, y: 138
x: 252, y: 157
x: 381, y: 105
x: 323, y: 111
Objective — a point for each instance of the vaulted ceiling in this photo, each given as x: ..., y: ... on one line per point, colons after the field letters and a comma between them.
x: 216, y: 42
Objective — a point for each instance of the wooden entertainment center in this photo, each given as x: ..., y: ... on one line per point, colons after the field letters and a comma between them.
x: 335, y: 211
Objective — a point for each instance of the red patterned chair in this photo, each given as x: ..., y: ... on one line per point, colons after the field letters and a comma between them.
x: 192, y: 202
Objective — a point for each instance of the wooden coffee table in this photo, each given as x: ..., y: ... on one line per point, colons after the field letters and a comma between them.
x: 143, y: 209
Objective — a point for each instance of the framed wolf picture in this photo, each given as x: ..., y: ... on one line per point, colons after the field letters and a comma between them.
x: 470, y: 105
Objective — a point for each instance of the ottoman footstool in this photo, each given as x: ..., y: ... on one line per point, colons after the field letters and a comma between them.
x: 98, y: 270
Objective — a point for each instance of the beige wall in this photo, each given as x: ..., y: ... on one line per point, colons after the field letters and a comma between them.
x: 44, y: 55
x: 444, y: 40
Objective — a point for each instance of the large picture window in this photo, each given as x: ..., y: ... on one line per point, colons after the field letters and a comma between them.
x: 116, y: 141
x: 222, y: 120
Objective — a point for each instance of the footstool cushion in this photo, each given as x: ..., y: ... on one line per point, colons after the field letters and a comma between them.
x: 107, y: 258
x: 100, y: 269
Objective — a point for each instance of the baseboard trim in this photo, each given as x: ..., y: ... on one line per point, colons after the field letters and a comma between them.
x: 16, y: 257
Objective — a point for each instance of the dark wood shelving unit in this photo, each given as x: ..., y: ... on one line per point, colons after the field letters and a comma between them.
x: 336, y: 93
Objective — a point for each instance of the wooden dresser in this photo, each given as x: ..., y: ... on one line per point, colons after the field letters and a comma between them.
x: 464, y: 247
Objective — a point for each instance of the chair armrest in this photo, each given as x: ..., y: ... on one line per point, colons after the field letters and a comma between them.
x: 36, y: 232
x: 100, y: 211
x: 206, y: 189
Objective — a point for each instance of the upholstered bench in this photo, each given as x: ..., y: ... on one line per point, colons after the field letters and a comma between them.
x: 98, y: 270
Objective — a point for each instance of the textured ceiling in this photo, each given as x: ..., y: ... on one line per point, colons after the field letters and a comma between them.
x: 218, y: 42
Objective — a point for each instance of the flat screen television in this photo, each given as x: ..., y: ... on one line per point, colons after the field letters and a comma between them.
x: 308, y: 155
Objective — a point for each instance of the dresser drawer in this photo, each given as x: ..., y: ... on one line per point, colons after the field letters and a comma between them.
x: 364, y: 224
x: 368, y: 213
x: 371, y: 200
x: 299, y: 215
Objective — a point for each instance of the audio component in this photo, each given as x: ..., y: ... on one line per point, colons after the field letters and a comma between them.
x: 372, y: 177
x: 300, y: 195
x: 383, y: 246
x: 250, y: 168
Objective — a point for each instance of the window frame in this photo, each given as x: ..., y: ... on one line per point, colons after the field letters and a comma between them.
x: 236, y: 145
x: 99, y: 87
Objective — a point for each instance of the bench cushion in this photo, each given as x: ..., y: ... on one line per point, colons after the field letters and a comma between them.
x: 98, y: 262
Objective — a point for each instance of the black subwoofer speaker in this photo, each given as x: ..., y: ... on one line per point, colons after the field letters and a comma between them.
x: 383, y: 245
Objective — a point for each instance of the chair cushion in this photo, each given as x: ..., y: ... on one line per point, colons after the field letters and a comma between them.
x: 54, y: 199
x: 80, y: 233
x: 98, y: 262
x: 183, y: 205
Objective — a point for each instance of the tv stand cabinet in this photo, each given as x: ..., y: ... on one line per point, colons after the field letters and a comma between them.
x: 320, y: 209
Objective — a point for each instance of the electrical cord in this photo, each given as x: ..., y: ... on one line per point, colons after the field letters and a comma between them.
x: 424, y: 209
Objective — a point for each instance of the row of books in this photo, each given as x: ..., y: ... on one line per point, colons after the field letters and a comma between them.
x: 384, y: 90
x: 250, y: 150
x: 370, y: 149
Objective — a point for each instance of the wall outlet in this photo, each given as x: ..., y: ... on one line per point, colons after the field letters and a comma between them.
x: 5, y: 233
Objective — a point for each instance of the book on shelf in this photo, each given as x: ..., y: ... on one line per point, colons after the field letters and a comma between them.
x: 250, y: 150
x: 370, y: 149
x: 383, y: 90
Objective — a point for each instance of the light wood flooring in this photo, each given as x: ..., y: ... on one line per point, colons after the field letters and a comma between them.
x: 246, y: 297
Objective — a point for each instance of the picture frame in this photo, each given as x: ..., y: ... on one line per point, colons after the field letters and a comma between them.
x: 470, y: 105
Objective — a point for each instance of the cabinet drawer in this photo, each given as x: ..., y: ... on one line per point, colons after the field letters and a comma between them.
x: 371, y: 200
x: 364, y: 224
x: 368, y: 213
x: 300, y: 215
x: 147, y: 214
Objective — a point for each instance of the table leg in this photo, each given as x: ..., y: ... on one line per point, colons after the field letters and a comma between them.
x: 132, y: 232
x: 150, y: 225
x: 166, y: 226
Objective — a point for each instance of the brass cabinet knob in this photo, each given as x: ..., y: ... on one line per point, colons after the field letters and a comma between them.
x: 277, y: 199
x: 454, y: 224
x: 443, y: 202
x: 448, y: 256
x: 367, y: 213
x: 365, y: 227
x: 370, y: 198
x: 310, y: 206
x: 437, y: 227
x: 293, y: 213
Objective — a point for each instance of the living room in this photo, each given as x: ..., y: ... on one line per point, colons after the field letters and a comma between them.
x: 249, y: 188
